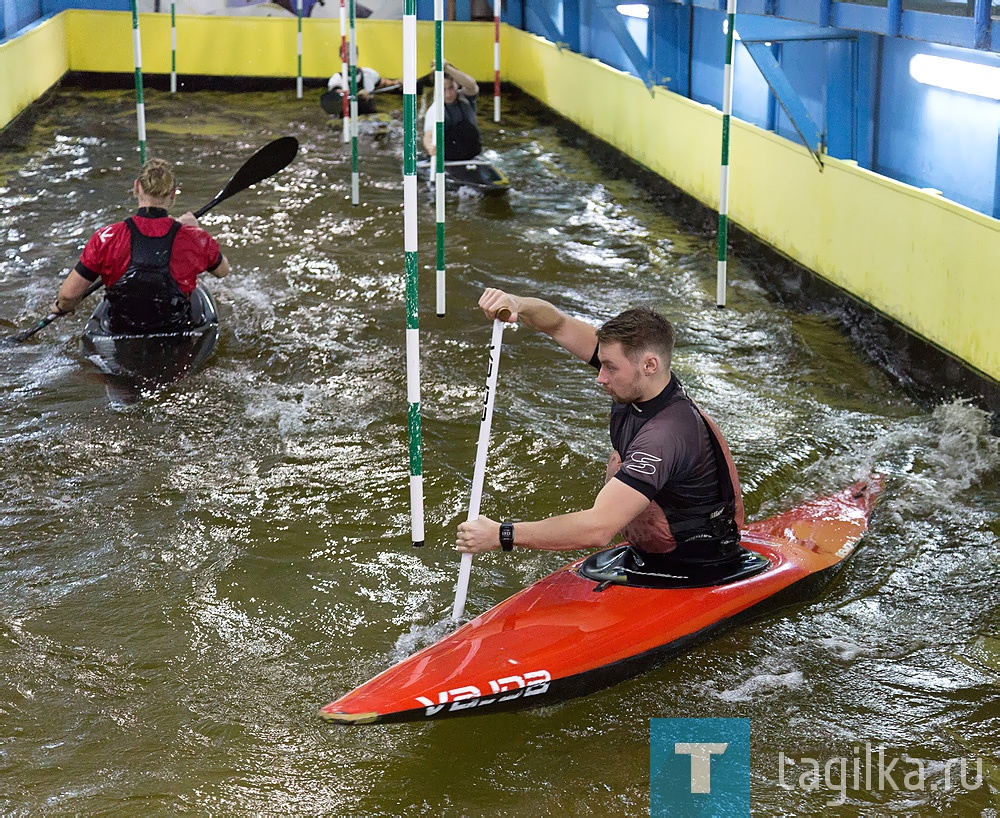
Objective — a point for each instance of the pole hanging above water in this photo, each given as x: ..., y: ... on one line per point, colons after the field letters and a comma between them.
x: 298, y: 51
x: 496, y: 60
x: 173, y: 47
x: 727, y: 110
x: 410, y: 265
x: 140, y: 106
x: 355, y: 180
x: 439, y: 149
x: 345, y: 64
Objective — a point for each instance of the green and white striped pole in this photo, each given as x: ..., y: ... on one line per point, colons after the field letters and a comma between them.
x: 727, y: 111
x: 173, y: 47
x: 140, y: 106
x: 410, y: 264
x: 355, y: 192
x: 439, y: 151
x: 298, y: 51
x: 345, y: 79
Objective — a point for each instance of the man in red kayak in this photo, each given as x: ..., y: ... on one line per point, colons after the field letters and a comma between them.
x: 672, y: 490
x: 149, y: 263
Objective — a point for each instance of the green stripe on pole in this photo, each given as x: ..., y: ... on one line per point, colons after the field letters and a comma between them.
x: 173, y: 47
x: 355, y: 181
x: 298, y: 51
x: 410, y: 266
x: 140, y: 106
x: 727, y: 110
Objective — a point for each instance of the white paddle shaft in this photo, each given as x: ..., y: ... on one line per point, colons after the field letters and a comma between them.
x: 479, y: 472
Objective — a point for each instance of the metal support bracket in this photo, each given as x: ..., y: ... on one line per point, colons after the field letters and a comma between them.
x: 810, y: 134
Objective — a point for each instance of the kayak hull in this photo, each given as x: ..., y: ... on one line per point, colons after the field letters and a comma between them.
x: 156, y: 359
x: 567, y: 635
x: 376, y: 125
x: 477, y: 174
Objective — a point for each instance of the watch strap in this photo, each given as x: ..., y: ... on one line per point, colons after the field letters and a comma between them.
x: 507, y: 536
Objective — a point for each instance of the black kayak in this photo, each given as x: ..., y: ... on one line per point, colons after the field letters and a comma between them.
x: 477, y: 174
x: 148, y: 361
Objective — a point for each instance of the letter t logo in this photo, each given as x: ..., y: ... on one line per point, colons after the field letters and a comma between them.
x: 701, y: 762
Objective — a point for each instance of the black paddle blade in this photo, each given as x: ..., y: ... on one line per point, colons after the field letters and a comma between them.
x: 273, y: 157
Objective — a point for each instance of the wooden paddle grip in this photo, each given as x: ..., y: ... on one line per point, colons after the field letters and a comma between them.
x: 503, y: 315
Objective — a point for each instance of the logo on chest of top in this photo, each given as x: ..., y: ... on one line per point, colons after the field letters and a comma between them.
x: 642, y: 463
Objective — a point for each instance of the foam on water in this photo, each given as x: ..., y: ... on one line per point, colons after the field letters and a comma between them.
x: 189, y: 577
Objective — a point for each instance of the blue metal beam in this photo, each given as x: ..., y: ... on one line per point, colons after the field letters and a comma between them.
x: 790, y: 102
x: 983, y: 23
x: 617, y: 27
x: 894, y: 22
x: 571, y: 23
x: 534, y: 13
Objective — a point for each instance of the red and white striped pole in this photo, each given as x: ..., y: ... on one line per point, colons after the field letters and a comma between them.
x: 345, y: 82
x: 496, y: 60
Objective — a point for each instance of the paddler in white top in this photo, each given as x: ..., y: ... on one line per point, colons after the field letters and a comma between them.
x: 671, y: 487
x: 462, y: 139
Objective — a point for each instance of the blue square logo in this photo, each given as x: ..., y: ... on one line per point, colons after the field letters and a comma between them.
x: 699, y: 767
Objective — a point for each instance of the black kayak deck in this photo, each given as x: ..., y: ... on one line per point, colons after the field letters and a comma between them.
x: 478, y: 174
x: 158, y: 358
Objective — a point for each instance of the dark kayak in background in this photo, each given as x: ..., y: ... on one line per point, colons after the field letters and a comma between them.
x: 148, y: 361
x: 477, y: 174
x: 599, y: 621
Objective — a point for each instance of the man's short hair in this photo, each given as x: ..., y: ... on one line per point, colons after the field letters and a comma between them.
x: 638, y: 330
x: 157, y: 179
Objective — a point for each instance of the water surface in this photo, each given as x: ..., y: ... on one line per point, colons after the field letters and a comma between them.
x: 187, y: 578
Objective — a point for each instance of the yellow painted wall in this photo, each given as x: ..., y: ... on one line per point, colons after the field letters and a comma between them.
x: 37, y: 59
x: 217, y: 45
x: 924, y: 261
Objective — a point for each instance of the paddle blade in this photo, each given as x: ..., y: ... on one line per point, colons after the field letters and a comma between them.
x: 273, y: 157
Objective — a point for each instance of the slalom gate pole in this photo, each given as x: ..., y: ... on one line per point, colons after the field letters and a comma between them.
x: 298, y: 51
x: 355, y: 181
x: 727, y: 111
x: 345, y: 62
x: 439, y: 151
x: 140, y: 106
x: 410, y: 265
x: 173, y: 47
x: 496, y: 60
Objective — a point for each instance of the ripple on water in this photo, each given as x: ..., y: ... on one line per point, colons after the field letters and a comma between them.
x: 189, y: 577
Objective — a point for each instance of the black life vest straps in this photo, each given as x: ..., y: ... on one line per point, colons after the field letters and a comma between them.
x: 146, y: 298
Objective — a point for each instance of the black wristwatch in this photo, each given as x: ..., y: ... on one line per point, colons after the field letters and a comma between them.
x: 507, y: 536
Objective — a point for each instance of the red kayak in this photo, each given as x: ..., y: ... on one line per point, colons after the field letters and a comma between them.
x: 603, y: 619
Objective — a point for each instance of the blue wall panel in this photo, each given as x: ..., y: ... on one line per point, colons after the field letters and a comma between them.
x: 18, y: 14
x: 841, y: 107
x: 670, y: 47
x: 804, y: 64
x: 932, y: 137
